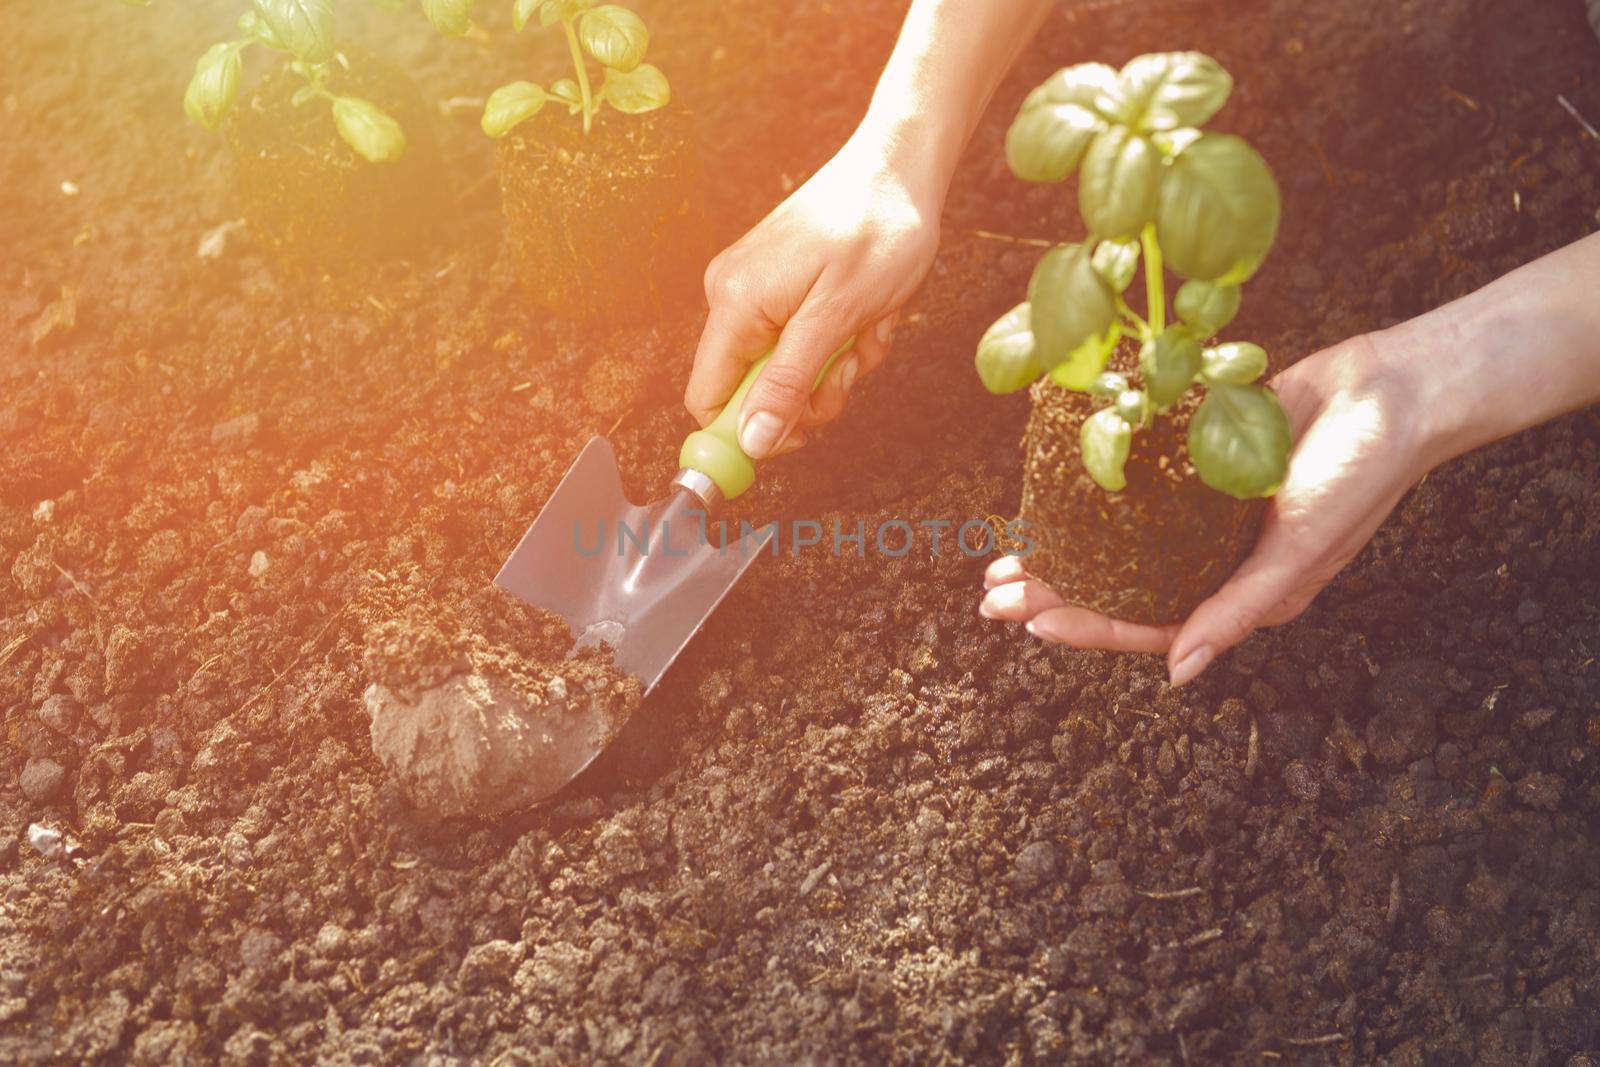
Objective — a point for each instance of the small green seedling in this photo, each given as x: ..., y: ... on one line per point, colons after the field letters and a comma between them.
x: 613, y: 36
x: 303, y: 31
x: 1151, y: 184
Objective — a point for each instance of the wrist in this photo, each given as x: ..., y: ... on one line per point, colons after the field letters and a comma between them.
x: 916, y: 150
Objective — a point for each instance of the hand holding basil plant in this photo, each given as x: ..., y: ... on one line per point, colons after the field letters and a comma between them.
x: 1153, y: 187
x: 612, y: 35
x: 303, y: 31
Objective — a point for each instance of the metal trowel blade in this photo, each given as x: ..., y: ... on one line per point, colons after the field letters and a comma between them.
x: 642, y: 579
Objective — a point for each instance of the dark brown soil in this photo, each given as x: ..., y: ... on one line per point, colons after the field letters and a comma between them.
x: 310, y: 199
x: 856, y: 823
x: 482, y: 706
x: 1148, y: 553
x: 608, y: 227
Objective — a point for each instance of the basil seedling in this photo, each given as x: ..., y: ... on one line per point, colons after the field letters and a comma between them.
x: 1152, y: 186
x: 610, y: 34
x: 303, y: 31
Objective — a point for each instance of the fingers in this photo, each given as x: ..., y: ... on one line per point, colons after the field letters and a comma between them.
x: 1082, y: 628
x: 1004, y: 569
x: 779, y: 397
x: 1014, y: 597
x: 1019, y: 601
x: 735, y: 335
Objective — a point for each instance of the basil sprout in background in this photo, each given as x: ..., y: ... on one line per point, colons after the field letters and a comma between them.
x: 613, y: 36
x: 511, y: 104
x: 302, y: 31
x: 1239, y: 440
x: 1157, y: 191
x: 375, y: 136
x: 453, y: 17
x: 215, y: 84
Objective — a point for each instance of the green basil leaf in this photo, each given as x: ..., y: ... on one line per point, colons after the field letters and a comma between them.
x: 215, y: 84
x: 1072, y: 305
x: 1083, y: 85
x: 1169, y: 364
x: 1239, y: 441
x: 1120, y: 184
x: 644, y: 88
x: 368, y: 129
x: 1104, y: 440
x: 522, y: 12
x: 1045, y: 143
x: 1219, y: 210
x: 303, y: 96
x: 1005, y: 353
x: 1117, y: 262
x: 1108, y: 385
x: 1173, y: 142
x: 1207, y: 307
x: 615, y: 36
x: 303, y: 28
x: 453, y: 17
x: 509, y: 105
x: 254, y: 26
x: 1236, y: 363
x: 1165, y: 90
x: 551, y: 11
x: 1134, y: 406
x: 566, y: 90
x: 1083, y: 365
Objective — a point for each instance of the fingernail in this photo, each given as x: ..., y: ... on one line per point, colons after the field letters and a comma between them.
x: 848, y: 371
x: 885, y: 330
x: 760, y: 434
x: 1041, y: 630
x: 1189, y: 667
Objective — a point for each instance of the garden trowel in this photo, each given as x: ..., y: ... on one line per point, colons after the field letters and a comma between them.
x: 639, y: 578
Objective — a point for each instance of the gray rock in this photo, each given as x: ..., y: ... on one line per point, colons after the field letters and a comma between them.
x: 42, y: 780
x: 60, y: 713
x: 491, y: 963
x: 1037, y: 864
x: 237, y: 433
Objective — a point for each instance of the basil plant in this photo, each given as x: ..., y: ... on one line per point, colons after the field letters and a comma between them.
x: 1152, y: 186
x: 302, y: 30
x: 610, y: 34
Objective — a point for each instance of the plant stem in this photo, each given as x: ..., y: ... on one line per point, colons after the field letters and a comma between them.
x: 583, y: 73
x: 1155, y: 286
x: 1131, y: 317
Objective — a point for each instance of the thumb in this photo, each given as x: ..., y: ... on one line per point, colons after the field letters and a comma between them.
x: 779, y: 396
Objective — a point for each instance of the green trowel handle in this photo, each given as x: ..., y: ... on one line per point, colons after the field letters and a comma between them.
x: 715, y: 452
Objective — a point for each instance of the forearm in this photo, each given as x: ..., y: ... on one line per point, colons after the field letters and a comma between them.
x: 1517, y: 352
x: 950, y: 57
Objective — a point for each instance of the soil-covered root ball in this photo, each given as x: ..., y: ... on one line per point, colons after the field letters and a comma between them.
x: 610, y: 225
x: 467, y: 725
x: 311, y: 200
x: 1149, y: 553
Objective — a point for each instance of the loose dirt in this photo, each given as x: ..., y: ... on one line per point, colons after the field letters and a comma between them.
x: 855, y: 823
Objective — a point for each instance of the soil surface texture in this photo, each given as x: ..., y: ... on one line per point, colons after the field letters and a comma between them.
x: 855, y: 823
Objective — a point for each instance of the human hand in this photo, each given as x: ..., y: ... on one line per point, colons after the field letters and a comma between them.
x: 1361, y: 444
x: 839, y: 257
